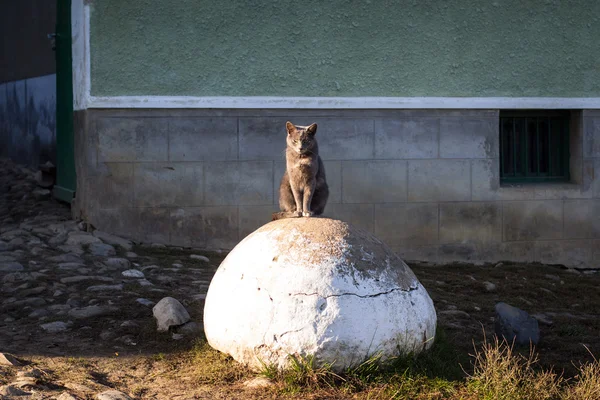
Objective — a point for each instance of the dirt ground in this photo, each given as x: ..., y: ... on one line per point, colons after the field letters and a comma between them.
x: 157, y: 367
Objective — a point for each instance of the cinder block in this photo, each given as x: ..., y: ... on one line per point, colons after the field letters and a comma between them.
x: 570, y: 253
x: 199, y: 139
x: 333, y: 172
x: 402, y: 225
x: 418, y: 253
x: 238, y: 183
x: 482, y: 253
x: 262, y: 138
x: 168, y: 184
x: 591, y: 137
x: 253, y: 217
x: 471, y: 222
x: 533, y: 220
x: 221, y: 226
x: 373, y: 181
x: 407, y: 138
x: 187, y: 227
x: 596, y: 254
x: 132, y: 139
x: 118, y: 221
x: 153, y: 224
x: 595, y: 178
x: 469, y: 138
x: 343, y: 138
x: 279, y: 170
x: 359, y: 215
x: 582, y: 219
x: 113, y: 185
x: 439, y: 180
x: 485, y: 176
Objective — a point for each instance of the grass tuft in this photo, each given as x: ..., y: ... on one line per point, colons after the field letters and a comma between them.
x: 501, y: 373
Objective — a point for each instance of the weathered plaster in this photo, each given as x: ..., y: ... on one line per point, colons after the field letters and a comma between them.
x: 337, y: 48
x: 28, y: 114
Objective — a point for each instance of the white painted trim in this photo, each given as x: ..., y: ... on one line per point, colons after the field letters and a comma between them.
x: 344, y: 102
x: 80, y: 35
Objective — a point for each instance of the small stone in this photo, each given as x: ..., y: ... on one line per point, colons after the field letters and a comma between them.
x: 10, y: 360
x: 489, y: 286
x: 25, y: 381
x: 129, y: 325
x: 40, y: 313
x: 16, y: 242
x: 71, y: 248
x: 552, y: 277
x: 91, y: 311
x: 67, y: 396
x: 11, y: 390
x: 73, y: 303
x: 499, y: 265
x: 145, y: 302
x: 105, y: 288
x: 4, y: 246
x: 573, y: 271
x: 55, y: 327
x: 199, y: 257
x: 258, y: 382
x: 128, y: 340
x: 70, y: 266
x: 34, y: 373
x: 190, y: 329
x: 112, y: 395
x: 66, y: 258
x: 58, y: 239
x: 81, y: 278
x: 102, y: 249
x: 150, y: 267
x: 177, y: 265
x: 542, y: 319
x: 107, y: 335
x: 133, y: 273
x: 177, y: 336
x: 116, y: 262
x: 169, y: 312
x: 81, y: 238
x: 11, y: 266
x: 145, y: 282
x: 40, y: 194
x: 516, y: 325
x: 158, y: 246
x: 113, y: 240
x: 131, y: 254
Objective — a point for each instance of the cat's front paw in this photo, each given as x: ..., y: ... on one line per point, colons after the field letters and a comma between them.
x: 308, y: 214
x: 296, y: 214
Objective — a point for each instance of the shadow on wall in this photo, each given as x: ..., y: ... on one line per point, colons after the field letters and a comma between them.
x: 28, y: 120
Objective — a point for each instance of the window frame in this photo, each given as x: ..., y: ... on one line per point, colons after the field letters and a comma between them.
x: 523, y: 175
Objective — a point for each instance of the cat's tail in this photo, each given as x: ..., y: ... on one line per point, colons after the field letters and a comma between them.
x: 283, y: 214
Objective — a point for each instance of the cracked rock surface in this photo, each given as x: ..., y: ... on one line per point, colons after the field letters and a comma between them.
x: 316, y: 286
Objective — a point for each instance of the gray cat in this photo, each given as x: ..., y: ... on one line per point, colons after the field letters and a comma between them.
x: 303, y: 190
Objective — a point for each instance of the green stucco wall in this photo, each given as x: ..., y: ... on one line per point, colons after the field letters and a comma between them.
x: 548, y: 48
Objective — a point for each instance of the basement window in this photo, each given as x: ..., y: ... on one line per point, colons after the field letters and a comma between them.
x: 534, y: 146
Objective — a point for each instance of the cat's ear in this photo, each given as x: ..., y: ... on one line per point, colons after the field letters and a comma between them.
x: 311, y: 129
x: 290, y: 128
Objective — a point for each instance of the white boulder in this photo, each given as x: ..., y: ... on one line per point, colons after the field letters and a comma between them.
x: 320, y: 287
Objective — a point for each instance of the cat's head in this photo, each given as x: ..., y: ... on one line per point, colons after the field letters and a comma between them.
x: 301, y: 138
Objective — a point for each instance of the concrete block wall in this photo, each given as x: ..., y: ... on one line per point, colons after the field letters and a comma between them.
x: 426, y: 182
